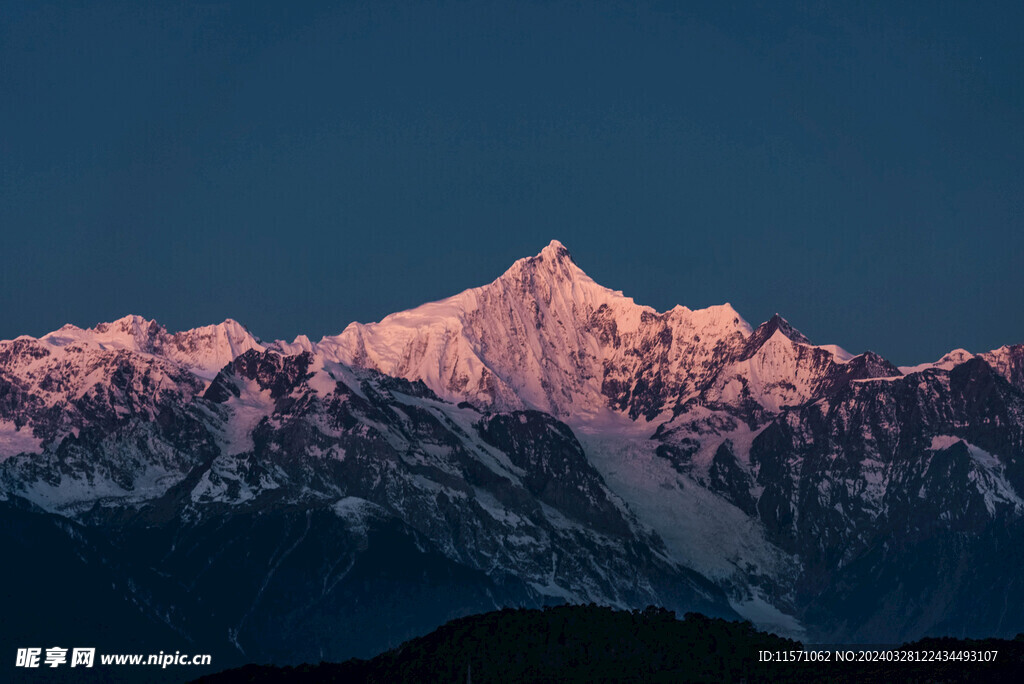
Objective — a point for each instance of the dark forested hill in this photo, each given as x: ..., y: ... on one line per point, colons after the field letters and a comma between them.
x: 596, y: 644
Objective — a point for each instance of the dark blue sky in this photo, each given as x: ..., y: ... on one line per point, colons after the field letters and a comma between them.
x: 297, y: 166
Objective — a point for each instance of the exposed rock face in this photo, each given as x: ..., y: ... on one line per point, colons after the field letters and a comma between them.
x: 311, y: 508
x: 537, y: 439
x: 909, y: 488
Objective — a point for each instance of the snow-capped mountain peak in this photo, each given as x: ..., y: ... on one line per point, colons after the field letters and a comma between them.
x: 207, y: 349
x: 542, y: 335
x: 692, y: 445
x: 545, y: 335
x: 776, y: 325
x: 948, y: 361
x: 203, y: 351
x: 555, y: 251
x: 129, y: 332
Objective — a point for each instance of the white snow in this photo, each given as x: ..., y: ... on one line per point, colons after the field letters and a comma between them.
x: 356, y: 512
x: 14, y: 441
x: 700, y: 529
x: 779, y: 374
x: 204, y: 351
x: 947, y: 362
x: 1003, y: 360
x: 539, y: 336
x: 840, y: 354
x: 767, y: 617
x: 989, y: 475
x: 943, y: 442
x: 543, y: 335
x: 247, y: 410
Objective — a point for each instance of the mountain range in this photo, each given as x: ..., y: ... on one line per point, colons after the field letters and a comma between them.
x: 538, y: 440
